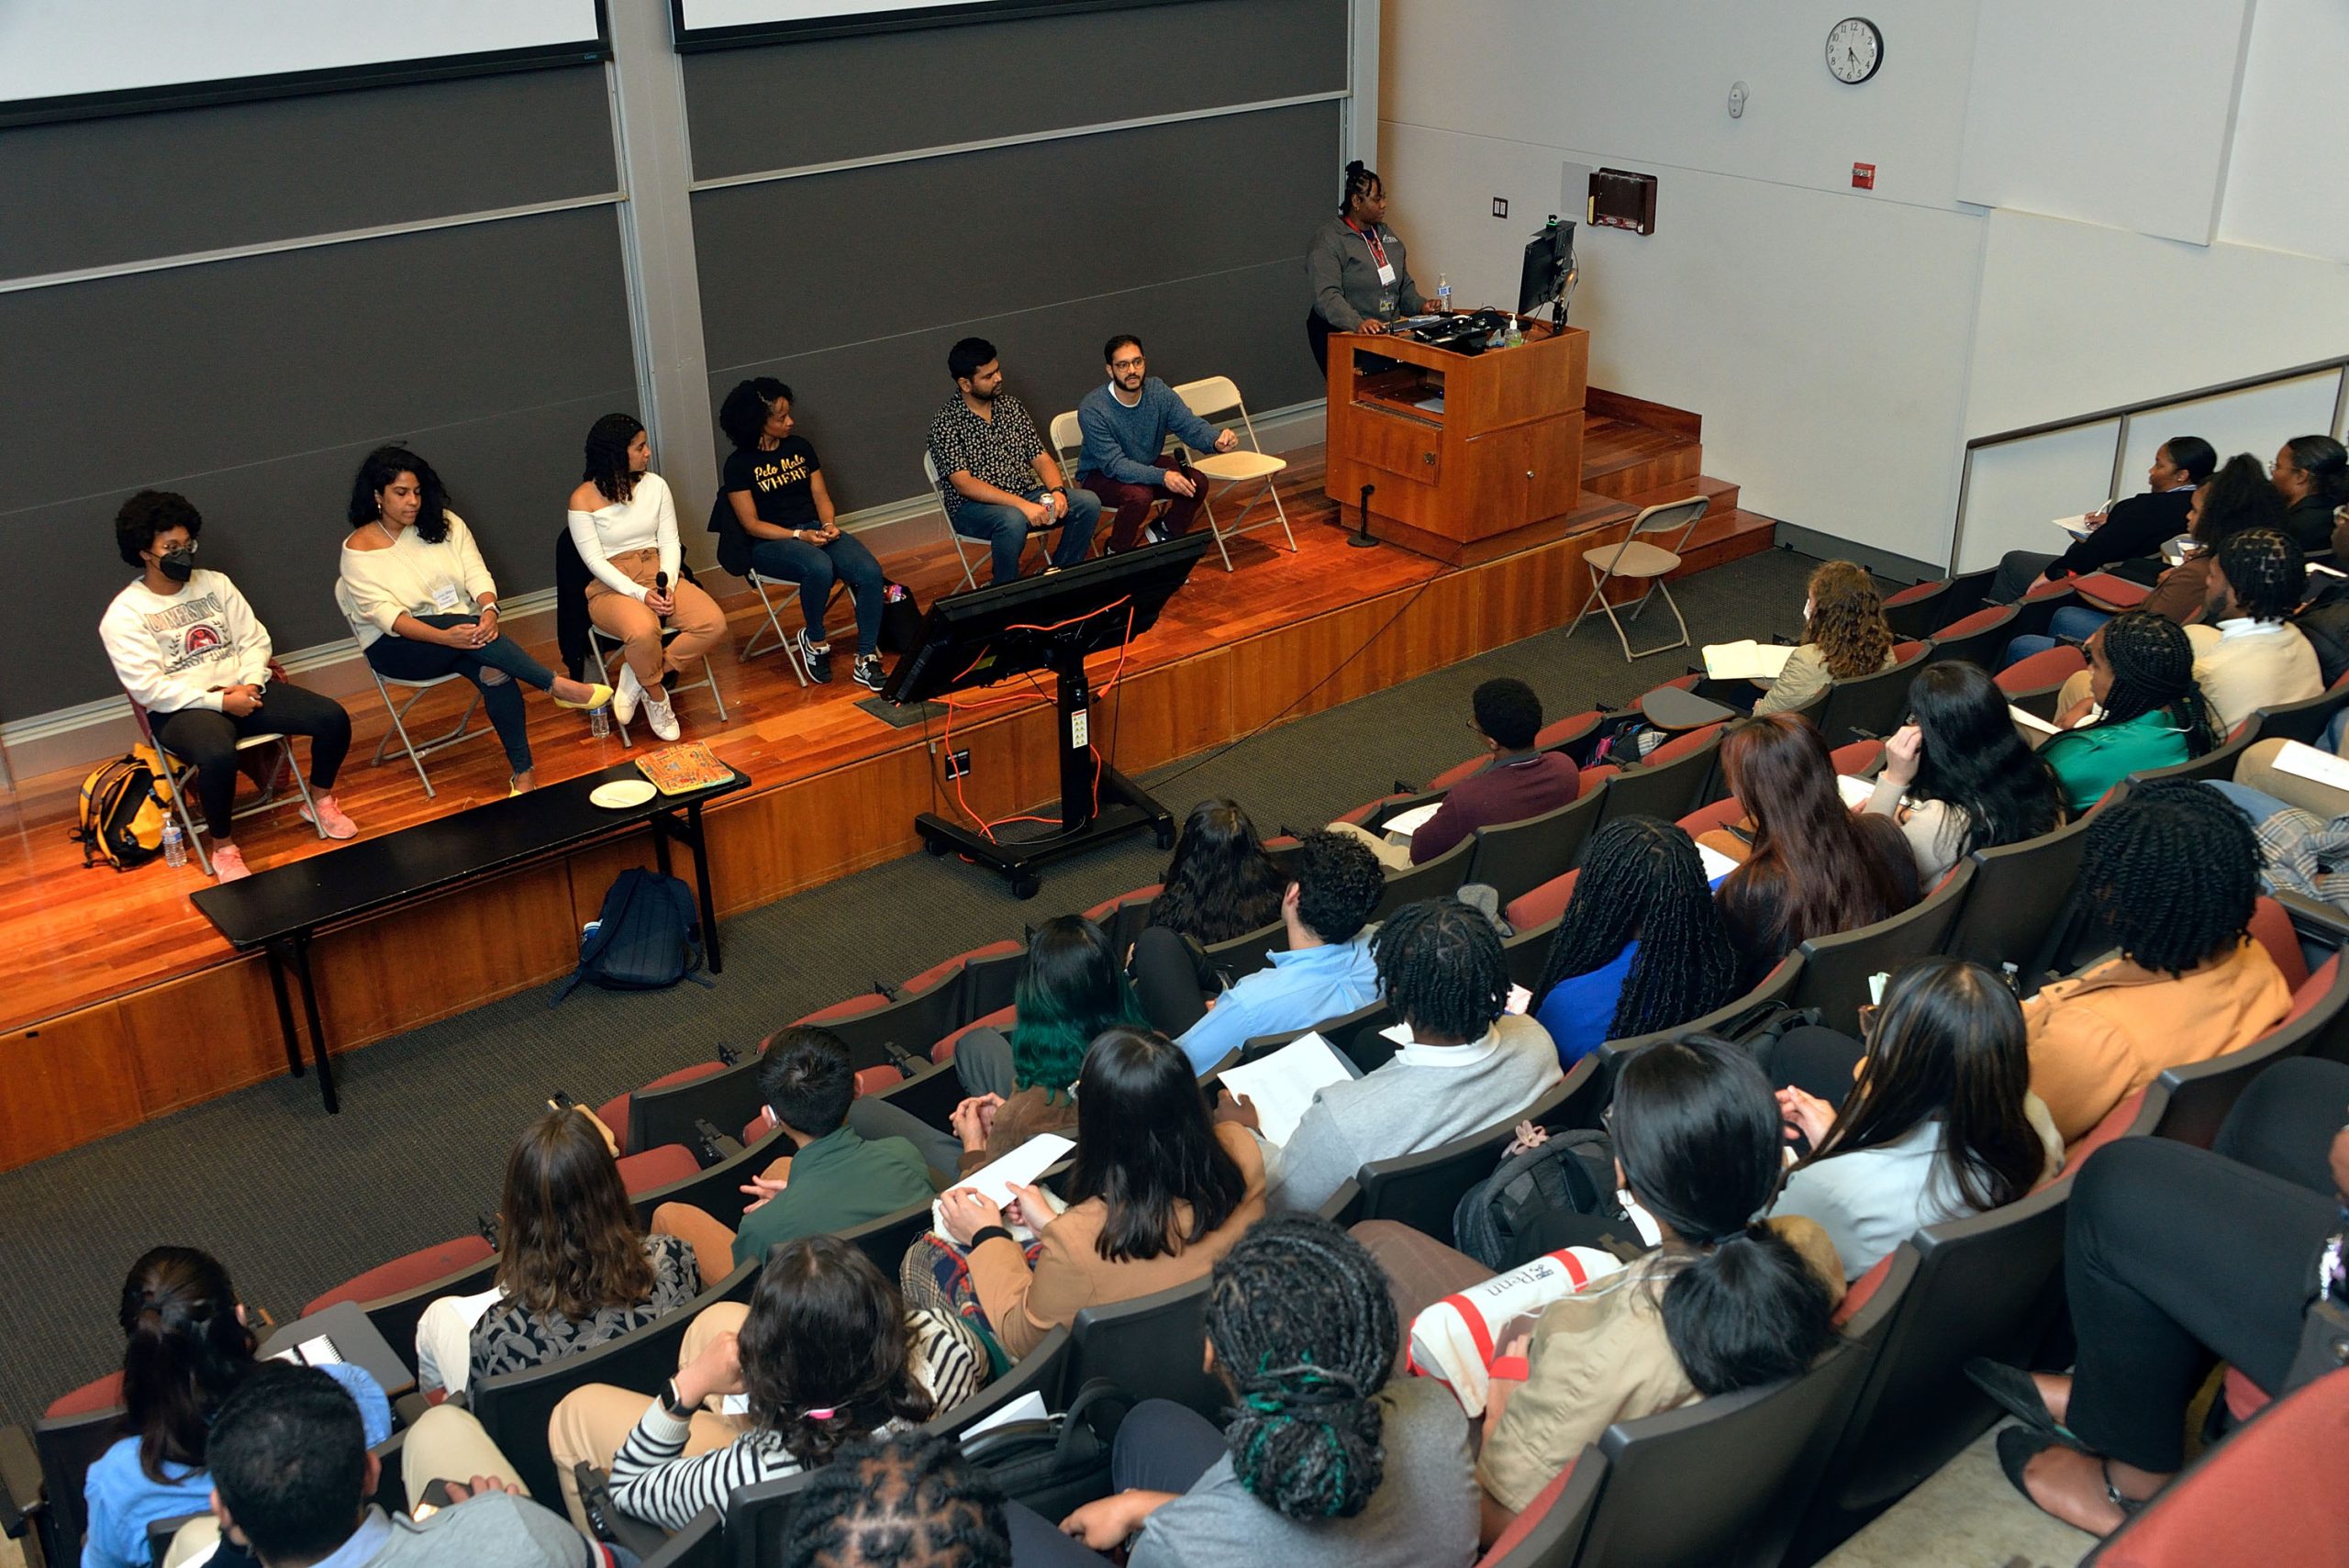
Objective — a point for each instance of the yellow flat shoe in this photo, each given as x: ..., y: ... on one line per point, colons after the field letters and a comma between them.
x: 599, y: 697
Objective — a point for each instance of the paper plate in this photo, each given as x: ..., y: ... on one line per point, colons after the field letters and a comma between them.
x: 621, y: 793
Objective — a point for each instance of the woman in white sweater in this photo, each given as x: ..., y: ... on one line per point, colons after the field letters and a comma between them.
x: 189, y: 650
x: 415, y: 590
x: 624, y: 527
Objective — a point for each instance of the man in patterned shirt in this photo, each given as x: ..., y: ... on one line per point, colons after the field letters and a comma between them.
x: 997, y: 479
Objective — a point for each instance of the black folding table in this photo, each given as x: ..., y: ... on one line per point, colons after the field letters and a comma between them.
x: 281, y: 909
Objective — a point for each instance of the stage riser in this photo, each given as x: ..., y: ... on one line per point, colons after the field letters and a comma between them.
x: 118, y: 1063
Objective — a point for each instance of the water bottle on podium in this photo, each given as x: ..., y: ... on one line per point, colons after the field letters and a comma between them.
x: 1444, y: 294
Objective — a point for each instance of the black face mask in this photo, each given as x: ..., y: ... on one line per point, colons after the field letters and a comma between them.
x: 179, y: 565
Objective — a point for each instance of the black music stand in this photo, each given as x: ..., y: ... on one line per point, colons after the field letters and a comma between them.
x: 1048, y: 623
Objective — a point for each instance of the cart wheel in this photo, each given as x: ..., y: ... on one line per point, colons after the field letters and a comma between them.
x: 1026, y: 885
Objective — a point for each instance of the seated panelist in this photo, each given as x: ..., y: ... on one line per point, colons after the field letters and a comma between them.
x: 189, y: 650
x: 625, y: 528
x: 778, y: 521
x: 997, y: 477
x: 1126, y: 424
x: 415, y: 590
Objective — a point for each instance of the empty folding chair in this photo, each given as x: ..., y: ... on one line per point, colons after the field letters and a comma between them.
x: 1635, y: 559
x: 1246, y: 464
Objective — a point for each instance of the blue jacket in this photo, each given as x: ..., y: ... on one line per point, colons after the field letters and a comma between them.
x: 1124, y: 442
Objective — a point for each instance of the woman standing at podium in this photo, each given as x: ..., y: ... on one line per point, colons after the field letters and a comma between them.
x: 1356, y: 269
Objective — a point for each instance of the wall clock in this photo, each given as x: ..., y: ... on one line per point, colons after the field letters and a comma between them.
x: 1855, y: 49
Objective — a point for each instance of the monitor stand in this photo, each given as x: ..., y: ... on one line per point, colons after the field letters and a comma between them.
x: 1091, y: 813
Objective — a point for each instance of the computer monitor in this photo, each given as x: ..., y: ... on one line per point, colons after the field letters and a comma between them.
x: 1548, y: 263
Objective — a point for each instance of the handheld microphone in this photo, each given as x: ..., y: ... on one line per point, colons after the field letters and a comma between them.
x: 660, y: 583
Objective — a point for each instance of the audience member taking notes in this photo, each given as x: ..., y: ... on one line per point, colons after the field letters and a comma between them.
x: 1956, y: 777
x: 2141, y: 709
x: 189, y: 650
x: 1517, y: 783
x: 2128, y: 529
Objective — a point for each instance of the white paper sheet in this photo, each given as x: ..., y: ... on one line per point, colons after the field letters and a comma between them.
x: 1520, y: 998
x: 1021, y: 1166
x: 1282, y: 1085
x: 1404, y: 824
x: 1716, y: 864
x: 1855, y: 792
x: 1745, y: 661
x: 1029, y: 1407
x: 2078, y: 527
x: 2316, y: 765
x: 2030, y: 721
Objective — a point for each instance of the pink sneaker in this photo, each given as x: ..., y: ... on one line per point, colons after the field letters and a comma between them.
x: 331, y: 817
x: 229, y: 864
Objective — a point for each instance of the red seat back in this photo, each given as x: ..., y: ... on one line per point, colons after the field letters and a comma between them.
x: 653, y: 1168
x: 2115, y: 593
x: 2271, y: 928
x: 1862, y: 1291
x: 1001, y: 1019
x: 1544, y: 904
x: 613, y: 1113
x: 2036, y: 674
x: 405, y: 1273
x: 2117, y: 1121
x: 873, y: 1080
x: 2256, y: 1497
x: 1706, y: 819
x: 2310, y: 992
x: 100, y: 1394
x: 1980, y: 620
x: 1858, y: 758
x: 1682, y: 745
x: 1590, y: 779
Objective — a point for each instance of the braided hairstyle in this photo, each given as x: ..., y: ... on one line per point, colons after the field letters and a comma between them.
x: 1642, y: 880
x: 1360, y: 181
x: 2153, y: 671
x: 912, y: 1499
x: 1305, y: 1331
x: 2267, y: 571
x: 2173, y: 872
x: 1439, y: 963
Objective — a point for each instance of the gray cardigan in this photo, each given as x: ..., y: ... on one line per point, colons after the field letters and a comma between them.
x: 1345, y: 280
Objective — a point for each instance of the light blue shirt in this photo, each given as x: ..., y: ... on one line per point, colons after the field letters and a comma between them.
x: 1300, y: 990
x: 123, y: 1500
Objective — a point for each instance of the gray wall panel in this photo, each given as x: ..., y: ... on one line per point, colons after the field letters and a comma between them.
x: 867, y: 406
x: 790, y: 105
x: 255, y: 386
x: 140, y: 187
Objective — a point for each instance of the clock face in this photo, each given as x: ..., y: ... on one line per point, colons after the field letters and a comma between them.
x: 1855, y: 49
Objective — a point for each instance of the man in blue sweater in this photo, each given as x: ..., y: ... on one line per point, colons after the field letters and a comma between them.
x: 1126, y: 425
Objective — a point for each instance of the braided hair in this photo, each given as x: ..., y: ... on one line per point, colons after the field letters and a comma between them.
x: 2173, y: 872
x: 2152, y: 671
x: 1360, y: 181
x: 1304, y: 1330
x: 910, y: 1499
x: 1642, y: 881
x: 1439, y: 963
x: 2267, y: 571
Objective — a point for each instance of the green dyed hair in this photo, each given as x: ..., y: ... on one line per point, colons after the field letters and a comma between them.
x: 1071, y: 990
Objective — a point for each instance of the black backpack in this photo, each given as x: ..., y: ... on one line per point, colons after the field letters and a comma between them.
x: 644, y: 938
x: 1573, y: 1171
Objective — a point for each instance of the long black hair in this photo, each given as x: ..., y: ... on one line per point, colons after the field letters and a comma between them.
x: 185, y: 1351
x: 1145, y: 1144
x: 605, y: 462
x: 1221, y: 884
x: 1305, y: 1330
x: 1439, y: 964
x: 1973, y: 759
x: 1949, y: 1046
x: 2152, y: 671
x: 378, y: 468
x: 2173, y: 872
x: 1699, y: 1135
x: 1642, y: 880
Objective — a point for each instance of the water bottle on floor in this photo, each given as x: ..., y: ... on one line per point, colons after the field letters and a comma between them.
x: 600, y: 720
x: 174, y: 844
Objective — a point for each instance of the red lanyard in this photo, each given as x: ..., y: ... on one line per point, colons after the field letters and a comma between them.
x: 1370, y: 238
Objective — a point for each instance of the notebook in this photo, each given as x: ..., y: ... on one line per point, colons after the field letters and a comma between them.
x: 1745, y: 661
x: 1021, y: 1167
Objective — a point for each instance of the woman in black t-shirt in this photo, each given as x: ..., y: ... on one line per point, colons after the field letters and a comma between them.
x: 777, y: 522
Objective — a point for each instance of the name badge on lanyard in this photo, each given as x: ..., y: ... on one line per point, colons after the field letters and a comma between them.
x: 1379, y: 254
x: 447, y: 598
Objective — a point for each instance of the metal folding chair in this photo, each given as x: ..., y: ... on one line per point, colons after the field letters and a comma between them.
x: 1226, y: 471
x: 962, y: 547
x: 782, y: 639
x: 180, y: 772
x: 604, y: 649
x: 1636, y: 558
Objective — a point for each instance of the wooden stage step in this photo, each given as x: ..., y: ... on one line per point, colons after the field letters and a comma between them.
x: 108, y: 968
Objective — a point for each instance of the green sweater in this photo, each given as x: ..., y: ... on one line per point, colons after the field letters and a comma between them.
x: 838, y: 1181
x: 2089, y: 762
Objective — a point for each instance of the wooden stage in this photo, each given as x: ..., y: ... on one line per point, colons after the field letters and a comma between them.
x: 110, y: 966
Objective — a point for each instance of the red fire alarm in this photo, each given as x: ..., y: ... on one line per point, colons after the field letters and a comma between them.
x: 1864, y: 176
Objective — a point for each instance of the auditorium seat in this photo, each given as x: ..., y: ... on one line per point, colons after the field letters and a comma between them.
x: 1978, y: 639
x: 1855, y: 760
x: 990, y: 975
x: 2218, y: 762
x: 1722, y: 813
x: 873, y: 1024
x: 2304, y: 721
x: 1423, y: 1189
x: 657, y: 1167
x: 2132, y: 1118
x: 1546, y: 1535
x: 1871, y: 707
x: 2019, y: 893
x: 2041, y: 672
x: 1001, y: 1019
x: 615, y: 1113
x: 2271, y: 927
x: 1836, y: 970
x: 1429, y: 879
x: 1515, y: 857
x: 2103, y: 591
x: 1152, y: 1347
x: 1543, y: 905
x: 2194, y: 1098
x: 1670, y: 781
x: 420, y: 1267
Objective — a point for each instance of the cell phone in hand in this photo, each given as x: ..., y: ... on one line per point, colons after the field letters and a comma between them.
x: 431, y: 1500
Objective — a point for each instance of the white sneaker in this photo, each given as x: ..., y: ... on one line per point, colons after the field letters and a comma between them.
x: 626, y: 693
x: 663, y: 716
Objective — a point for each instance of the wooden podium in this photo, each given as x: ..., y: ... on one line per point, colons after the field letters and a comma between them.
x: 1464, y: 450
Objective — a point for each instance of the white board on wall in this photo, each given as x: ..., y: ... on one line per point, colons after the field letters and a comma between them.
x: 70, y: 49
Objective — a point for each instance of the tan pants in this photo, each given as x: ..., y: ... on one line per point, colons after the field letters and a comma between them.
x: 2074, y: 689
x: 1392, y: 855
x: 700, y: 622
x: 712, y: 1242
x: 2257, y: 769
x: 446, y: 1444
x: 592, y: 1422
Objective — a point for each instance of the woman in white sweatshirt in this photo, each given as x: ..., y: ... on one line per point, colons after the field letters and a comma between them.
x: 415, y: 590
x: 188, y: 649
x: 624, y: 527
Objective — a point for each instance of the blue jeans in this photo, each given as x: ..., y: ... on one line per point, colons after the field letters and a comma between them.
x: 815, y: 567
x: 1005, y: 530
x: 2073, y: 623
x: 492, y: 668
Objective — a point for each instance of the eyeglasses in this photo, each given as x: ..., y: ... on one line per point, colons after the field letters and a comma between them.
x: 1131, y: 364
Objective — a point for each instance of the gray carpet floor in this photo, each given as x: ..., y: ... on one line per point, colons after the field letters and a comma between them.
x: 293, y: 1201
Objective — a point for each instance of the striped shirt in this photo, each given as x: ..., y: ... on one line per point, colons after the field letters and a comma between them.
x: 652, y: 1481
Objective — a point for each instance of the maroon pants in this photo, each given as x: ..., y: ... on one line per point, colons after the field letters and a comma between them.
x: 1130, y: 504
